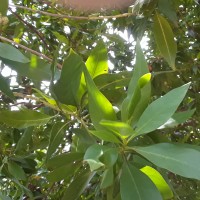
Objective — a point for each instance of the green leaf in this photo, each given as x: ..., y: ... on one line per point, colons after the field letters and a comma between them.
x: 63, y: 159
x: 121, y: 129
x: 97, y: 62
x: 56, y: 137
x: 11, y: 53
x: 136, y: 185
x: 159, y: 181
x: 178, y: 118
x: 107, y: 178
x: 165, y: 39
x: 4, y: 7
x: 62, y: 172
x: 177, y: 159
x: 5, y: 88
x: 134, y: 93
x: 106, y: 136
x: 24, y: 139
x: 23, y: 118
x: 66, y: 89
x: 99, y: 106
x: 16, y: 171
x: 77, y: 186
x: 159, y: 111
x: 37, y: 69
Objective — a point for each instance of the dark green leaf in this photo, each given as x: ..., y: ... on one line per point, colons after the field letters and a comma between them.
x: 23, y: 118
x: 135, y: 185
x: 177, y: 159
x: 11, y: 53
x: 66, y: 89
x: 5, y: 88
x: 165, y: 39
x: 159, y: 111
x: 107, y: 178
x: 16, y: 171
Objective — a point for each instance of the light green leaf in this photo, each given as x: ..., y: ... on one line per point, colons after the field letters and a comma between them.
x: 56, y: 137
x: 16, y: 171
x: 4, y: 7
x: 77, y: 186
x: 66, y: 89
x: 177, y: 159
x: 165, y: 39
x: 23, y: 118
x: 11, y: 53
x: 97, y: 62
x: 121, y: 129
x: 159, y: 181
x: 136, y: 185
x: 5, y: 88
x: 159, y: 111
x: 99, y: 106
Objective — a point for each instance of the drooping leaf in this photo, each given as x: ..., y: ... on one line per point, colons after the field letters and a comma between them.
x: 165, y: 39
x: 56, y: 137
x: 24, y: 140
x: 159, y: 181
x: 136, y: 185
x: 4, y: 7
x: 16, y: 170
x: 23, y: 118
x: 180, y: 160
x: 78, y: 185
x: 99, y: 107
x: 66, y: 89
x: 5, y: 88
x: 107, y: 178
x: 159, y: 111
x: 11, y: 53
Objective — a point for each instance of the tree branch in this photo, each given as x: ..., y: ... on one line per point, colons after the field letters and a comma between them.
x: 74, y: 17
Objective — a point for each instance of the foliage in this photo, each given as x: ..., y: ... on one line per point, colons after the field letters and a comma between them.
x: 72, y: 127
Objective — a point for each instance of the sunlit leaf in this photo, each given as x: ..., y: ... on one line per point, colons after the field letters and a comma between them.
x: 136, y: 185
x: 159, y: 181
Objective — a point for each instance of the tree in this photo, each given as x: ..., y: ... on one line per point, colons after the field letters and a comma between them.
x: 73, y: 128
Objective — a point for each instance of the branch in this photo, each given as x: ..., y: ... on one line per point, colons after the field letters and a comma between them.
x: 75, y: 17
x: 29, y: 50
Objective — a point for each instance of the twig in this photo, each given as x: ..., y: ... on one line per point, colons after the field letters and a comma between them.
x: 30, y: 50
x: 74, y: 17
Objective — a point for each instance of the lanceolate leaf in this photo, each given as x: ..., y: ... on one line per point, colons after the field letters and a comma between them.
x: 159, y: 111
x: 11, y: 53
x: 159, y: 181
x: 136, y: 185
x: 4, y: 87
x: 77, y: 186
x: 177, y: 159
x: 4, y: 7
x: 66, y: 89
x: 165, y: 39
x: 23, y: 118
x: 99, y: 106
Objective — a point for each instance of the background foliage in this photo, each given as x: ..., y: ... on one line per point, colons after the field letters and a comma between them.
x: 48, y: 144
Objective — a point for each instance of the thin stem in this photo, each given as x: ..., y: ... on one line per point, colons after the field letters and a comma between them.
x: 75, y: 17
